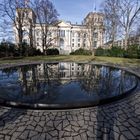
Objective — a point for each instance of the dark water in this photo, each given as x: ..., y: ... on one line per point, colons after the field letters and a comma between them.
x: 63, y: 83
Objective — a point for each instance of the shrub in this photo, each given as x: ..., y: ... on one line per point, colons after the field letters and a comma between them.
x: 37, y: 52
x: 34, y: 51
x: 116, y: 51
x: 7, y: 49
x: 81, y: 52
x: 101, y: 52
x: 132, y: 51
x: 52, y: 52
x: 26, y: 50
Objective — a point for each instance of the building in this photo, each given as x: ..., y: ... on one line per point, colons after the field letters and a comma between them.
x: 64, y: 36
x: 133, y: 40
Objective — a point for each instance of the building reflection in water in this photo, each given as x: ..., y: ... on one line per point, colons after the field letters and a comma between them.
x: 50, y: 82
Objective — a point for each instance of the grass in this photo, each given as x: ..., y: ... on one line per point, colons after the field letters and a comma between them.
x: 63, y: 58
x: 76, y: 58
x: 120, y: 61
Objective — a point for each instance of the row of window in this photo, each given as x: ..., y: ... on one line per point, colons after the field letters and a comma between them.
x: 73, y: 45
x: 79, y: 45
x: 62, y: 44
x: 62, y: 33
x: 64, y: 74
x: 98, y: 19
x: 73, y: 40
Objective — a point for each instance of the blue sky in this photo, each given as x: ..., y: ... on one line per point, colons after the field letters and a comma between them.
x: 70, y: 10
x: 75, y: 10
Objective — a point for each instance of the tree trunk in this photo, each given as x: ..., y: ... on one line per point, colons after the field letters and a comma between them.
x: 126, y: 39
x: 20, y: 36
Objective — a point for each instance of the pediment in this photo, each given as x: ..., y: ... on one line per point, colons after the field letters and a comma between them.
x: 64, y: 24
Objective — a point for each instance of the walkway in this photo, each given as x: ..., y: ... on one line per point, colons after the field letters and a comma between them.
x: 116, y: 121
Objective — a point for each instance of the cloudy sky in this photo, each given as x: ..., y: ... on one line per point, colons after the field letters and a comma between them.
x: 75, y: 10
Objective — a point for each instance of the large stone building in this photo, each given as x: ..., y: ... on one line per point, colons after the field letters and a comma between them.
x: 64, y: 36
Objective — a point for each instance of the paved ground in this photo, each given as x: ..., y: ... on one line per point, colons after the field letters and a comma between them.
x: 116, y: 121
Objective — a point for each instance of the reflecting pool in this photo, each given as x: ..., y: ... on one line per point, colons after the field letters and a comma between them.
x: 63, y: 84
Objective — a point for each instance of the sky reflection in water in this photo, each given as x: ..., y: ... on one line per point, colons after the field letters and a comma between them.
x: 63, y: 83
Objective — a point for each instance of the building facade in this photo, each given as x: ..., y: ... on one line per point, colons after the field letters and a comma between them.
x: 64, y: 36
x: 134, y: 40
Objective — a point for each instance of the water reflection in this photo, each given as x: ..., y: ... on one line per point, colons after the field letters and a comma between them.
x: 63, y: 82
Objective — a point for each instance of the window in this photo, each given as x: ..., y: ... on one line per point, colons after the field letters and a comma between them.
x: 72, y: 40
x: 62, y: 67
x: 95, y: 19
x: 49, y: 34
x: 85, y: 35
x: 25, y: 40
x: 73, y: 34
x: 84, y: 45
x: 25, y: 33
x: 78, y: 40
x: 78, y: 34
x: 72, y: 68
x: 62, y: 33
x: 78, y: 68
x: 78, y: 44
x: 72, y: 44
x: 94, y: 29
x: 61, y: 42
x: 37, y: 44
x: 25, y: 15
x: 95, y: 35
x: 62, y: 74
x: 95, y: 44
x: 37, y: 32
x: 37, y: 39
x: 84, y: 40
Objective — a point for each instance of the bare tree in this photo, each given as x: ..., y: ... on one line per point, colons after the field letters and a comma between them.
x: 94, y: 24
x: 137, y: 31
x: 6, y: 31
x: 129, y: 12
x: 14, y: 11
x: 90, y: 24
x: 111, y: 14
x: 46, y: 16
x: 122, y: 15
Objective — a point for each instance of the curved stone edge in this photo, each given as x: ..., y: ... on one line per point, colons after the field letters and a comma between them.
x: 85, y: 104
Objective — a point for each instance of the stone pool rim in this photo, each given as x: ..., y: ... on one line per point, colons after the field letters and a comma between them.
x: 83, y: 104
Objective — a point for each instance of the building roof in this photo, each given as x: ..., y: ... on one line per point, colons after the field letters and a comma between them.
x: 94, y: 13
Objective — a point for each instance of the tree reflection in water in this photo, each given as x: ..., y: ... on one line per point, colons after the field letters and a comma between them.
x: 39, y: 81
x: 50, y: 82
x: 104, y: 81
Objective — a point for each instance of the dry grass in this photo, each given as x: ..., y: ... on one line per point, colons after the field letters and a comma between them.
x: 76, y: 58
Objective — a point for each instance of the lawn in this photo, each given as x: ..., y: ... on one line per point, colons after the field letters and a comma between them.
x: 76, y: 58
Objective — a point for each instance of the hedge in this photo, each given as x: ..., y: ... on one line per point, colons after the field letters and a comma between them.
x: 132, y: 51
x: 52, y: 52
x: 81, y: 52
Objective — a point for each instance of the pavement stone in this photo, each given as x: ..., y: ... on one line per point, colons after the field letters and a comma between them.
x: 119, y: 120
